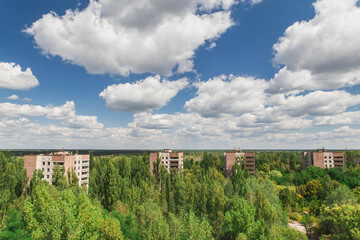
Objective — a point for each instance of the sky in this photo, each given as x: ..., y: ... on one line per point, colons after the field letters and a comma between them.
x: 189, y: 74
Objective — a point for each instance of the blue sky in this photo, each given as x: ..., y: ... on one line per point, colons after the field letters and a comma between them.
x: 179, y: 74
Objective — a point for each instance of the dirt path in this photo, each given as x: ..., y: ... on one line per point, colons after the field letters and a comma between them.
x: 297, y: 225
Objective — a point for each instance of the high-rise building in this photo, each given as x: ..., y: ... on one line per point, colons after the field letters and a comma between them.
x: 169, y: 159
x: 80, y: 164
x: 323, y: 159
x: 239, y: 157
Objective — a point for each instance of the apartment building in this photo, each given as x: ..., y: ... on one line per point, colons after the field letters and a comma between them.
x: 47, y: 162
x: 239, y: 157
x: 169, y: 159
x: 323, y: 159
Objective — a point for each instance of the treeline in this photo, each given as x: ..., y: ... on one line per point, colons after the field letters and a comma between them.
x: 201, y: 204
x: 326, y: 201
x: 125, y: 201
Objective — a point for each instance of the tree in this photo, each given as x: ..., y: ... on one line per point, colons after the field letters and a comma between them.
x: 308, y: 222
x: 13, y: 180
x: 73, y: 179
x: 340, y: 196
x: 287, y: 197
x: 63, y: 214
x: 240, y: 221
x: 197, y: 229
x: 58, y: 178
x: 111, y: 186
x: 152, y: 224
x: 340, y: 222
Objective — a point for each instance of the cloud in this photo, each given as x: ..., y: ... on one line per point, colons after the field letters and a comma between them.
x: 28, y: 110
x: 228, y: 95
x: 212, y: 45
x: 81, y: 121
x: 322, y: 53
x: 252, y: 2
x: 318, y: 103
x: 13, y: 97
x: 16, y: 97
x: 342, y: 118
x: 12, y: 77
x: 143, y: 95
x: 65, y: 112
x: 119, y: 37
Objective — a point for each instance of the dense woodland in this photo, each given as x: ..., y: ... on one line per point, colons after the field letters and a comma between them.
x: 124, y: 201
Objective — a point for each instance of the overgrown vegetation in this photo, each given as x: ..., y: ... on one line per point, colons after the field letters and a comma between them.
x: 124, y: 201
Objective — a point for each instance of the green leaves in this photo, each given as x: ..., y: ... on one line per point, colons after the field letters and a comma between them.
x: 49, y: 214
x: 58, y: 178
x: 341, y: 222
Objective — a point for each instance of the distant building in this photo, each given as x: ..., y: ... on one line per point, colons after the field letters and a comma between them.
x: 239, y: 157
x: 323, y: 159
x: 47, y: 162
x: 169, y: 159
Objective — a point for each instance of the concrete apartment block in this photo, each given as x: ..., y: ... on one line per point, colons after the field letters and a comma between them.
x: 46, y: 162
x: 169, y: 159
x: 323, y: 159
x: 239, y: 157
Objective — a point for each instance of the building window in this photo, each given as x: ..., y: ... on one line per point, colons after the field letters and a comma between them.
x: 47, y: 176
x: 75, y: 162
x: 42, y: 169
x: 48, y: 169
x: 48, y: 163
x: 43, y: 163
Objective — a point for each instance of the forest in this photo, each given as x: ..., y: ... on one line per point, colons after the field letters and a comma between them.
x: 125, y: 201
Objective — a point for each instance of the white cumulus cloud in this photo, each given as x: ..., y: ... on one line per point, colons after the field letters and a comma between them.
x: 122, y: 36
x: 144, y: 95
x: 28, y: 110
x: 322, y: 53
x: 65, y: 112
x: 228, y: 95
x: 12, y: 77
x: 81, y: 121
x: 13, y: 97
x: 318, y: 103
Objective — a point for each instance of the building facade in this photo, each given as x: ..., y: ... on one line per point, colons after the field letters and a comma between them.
x: 169, y: 159
x: 47, y: 162
x: 323, y: 159
x: 239, y: 157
